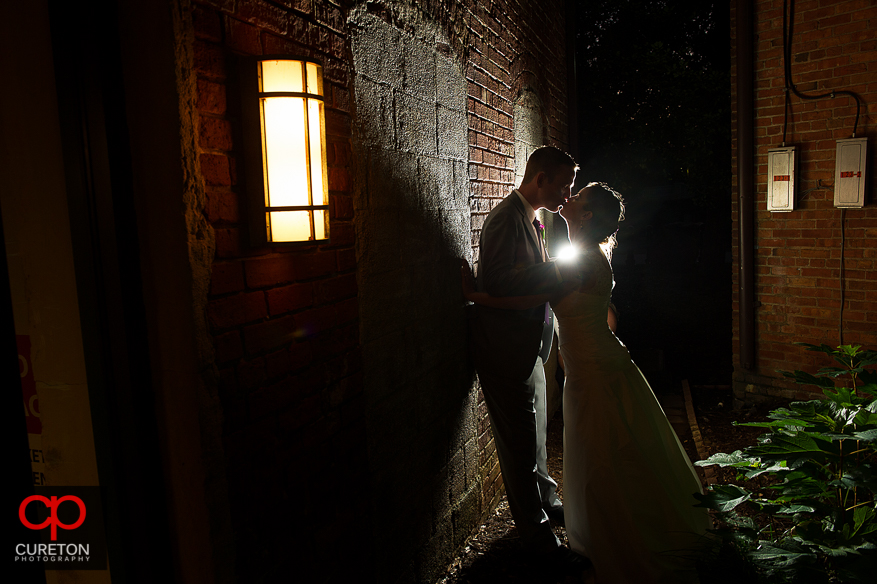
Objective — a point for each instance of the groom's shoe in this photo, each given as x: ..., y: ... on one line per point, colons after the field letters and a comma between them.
x: 555, y: 515
x: 564, y: 561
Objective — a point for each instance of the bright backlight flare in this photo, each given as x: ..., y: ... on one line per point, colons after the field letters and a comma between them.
x: 567, y: 252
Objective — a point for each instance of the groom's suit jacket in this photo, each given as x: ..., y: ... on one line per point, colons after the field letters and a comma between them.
x: 510, y: 264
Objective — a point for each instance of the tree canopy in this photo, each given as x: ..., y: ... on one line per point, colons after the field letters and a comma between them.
x: 654, y: 93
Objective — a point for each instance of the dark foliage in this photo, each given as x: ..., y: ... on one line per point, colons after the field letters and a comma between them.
x: 817, y: 521
x: 654, y: 94
x: 653, y: 100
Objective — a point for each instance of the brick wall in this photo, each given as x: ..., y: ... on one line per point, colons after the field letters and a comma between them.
x: 284, y: 321
x: 509, y: 56
x: 798, y: 254
x: 318, y: 438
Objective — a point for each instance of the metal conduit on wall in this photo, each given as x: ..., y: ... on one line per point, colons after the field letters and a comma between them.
x: 745, y: 183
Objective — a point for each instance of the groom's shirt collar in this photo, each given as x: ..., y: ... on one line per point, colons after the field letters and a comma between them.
x: 529, y: 212
x: 528, y: 208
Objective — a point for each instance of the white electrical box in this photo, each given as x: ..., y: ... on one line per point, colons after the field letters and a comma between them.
x: 849, y: 173
x: 781, y: 179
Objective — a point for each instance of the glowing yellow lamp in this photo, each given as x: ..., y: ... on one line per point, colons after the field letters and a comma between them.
x: 293, y: 150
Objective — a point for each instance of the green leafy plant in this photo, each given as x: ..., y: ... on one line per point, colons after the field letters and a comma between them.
x: 819, y: 517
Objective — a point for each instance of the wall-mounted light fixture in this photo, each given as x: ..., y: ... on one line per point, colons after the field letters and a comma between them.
x: 285, y: 149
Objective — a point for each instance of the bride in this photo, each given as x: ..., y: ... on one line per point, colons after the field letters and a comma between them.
x: 628, y: 485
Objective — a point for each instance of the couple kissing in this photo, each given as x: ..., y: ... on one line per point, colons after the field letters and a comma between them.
x: 629, y: 486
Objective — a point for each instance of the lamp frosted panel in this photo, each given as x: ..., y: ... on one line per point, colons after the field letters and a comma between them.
x: 319, y: 188
x: 315, y: 79
x: 282, y: 76
x: 321, y: 224
x: 289, y: 226
x: 285, y: 152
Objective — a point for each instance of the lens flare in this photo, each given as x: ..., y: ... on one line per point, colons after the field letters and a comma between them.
x: 567, y: 253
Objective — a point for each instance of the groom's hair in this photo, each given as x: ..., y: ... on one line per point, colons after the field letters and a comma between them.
x: 549, y: 160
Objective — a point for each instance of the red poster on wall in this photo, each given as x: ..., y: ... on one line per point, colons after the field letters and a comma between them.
x: 28, y: 386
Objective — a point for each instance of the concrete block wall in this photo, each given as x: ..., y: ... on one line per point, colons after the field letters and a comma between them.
x: 425, y: 183
x: 815, y: 266
x: 412, y: 223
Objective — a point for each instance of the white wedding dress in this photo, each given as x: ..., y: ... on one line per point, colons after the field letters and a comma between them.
x: 628, y: 484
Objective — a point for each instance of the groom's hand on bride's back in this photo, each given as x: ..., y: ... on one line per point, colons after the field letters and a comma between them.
x: 468, y: 279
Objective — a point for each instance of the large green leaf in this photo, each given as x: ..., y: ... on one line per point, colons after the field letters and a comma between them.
x: 799, y: 445
x: 782, y: 413
x: 736, y: 459
x: 777, y: 557
x: 865, y: 418
x: 847, y: 482
x: 847, y: 362
x: 863, y: 515
x: 739, y: 521
x: 867, y: 529
x: 723, y: 497
x: 848, y: 415
x: 863, y: 476
x: 780, y: 466
x: 817, y: 411
x: 867, y: 435
x: 821, y: 348
x: 867, y: 391
x: 840, y: 395
x: 795, y: 508
x: 838, y: 551
x: 834, y: 371
x: 808, y: 378
x: 847, y: 441
x: 850, y: 350
x: 803, y: 487
x: 785, y: 423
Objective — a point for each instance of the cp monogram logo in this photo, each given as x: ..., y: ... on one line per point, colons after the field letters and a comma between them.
x: 52, y: 504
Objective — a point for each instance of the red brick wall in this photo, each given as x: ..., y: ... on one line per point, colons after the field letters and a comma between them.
x: 798, y: 254
x: 284, y: 320
x: 505, y: 51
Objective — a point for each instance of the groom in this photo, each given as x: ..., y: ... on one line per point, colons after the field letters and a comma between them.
x: 511, y: 345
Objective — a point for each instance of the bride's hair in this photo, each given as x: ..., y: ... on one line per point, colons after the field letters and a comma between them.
x: 607, y: 207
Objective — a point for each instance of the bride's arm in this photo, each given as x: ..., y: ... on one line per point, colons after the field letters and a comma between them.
x: 612, y: 317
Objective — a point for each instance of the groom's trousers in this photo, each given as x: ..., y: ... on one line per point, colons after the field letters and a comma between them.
x: 517, y: 410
